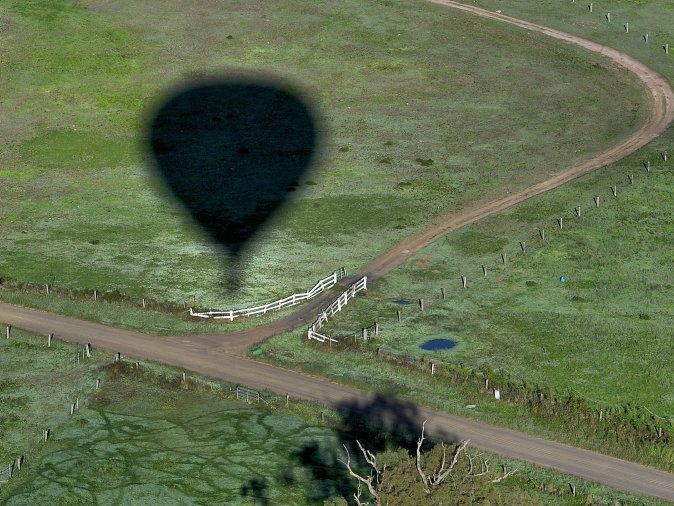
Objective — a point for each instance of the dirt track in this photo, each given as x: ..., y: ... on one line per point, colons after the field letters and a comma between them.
x: 661, y: 115
x: 220, y: 355
x: 218, y: 363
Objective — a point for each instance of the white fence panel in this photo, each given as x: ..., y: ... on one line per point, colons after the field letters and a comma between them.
x: 291, y: 300
x: 333, y: 308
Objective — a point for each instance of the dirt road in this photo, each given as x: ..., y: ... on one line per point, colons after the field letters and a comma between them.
x: 204, y: 358
x: 660, y: 117
x: 220, y: 356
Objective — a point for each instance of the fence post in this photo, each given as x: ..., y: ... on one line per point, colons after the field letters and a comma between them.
x: 523, y: 246
x: 596, y: 200
x: 614, y: 190
x: 287, y: 399
x: 376, y: 329
x: 364, y: 334
x: 541, y: 232
x: 631, y: 178
x: 87, y: 350
x: 98, y: 383
x: 50, y: 337
x: 464, y: 281
x: 421, y: 304
x: 560, y: 222
x: 577, y: 209
x: 648, y: 166
x: 143, y: 301
x: 442, y: 293
x: 646, y: 38
x: 590, y: 7
x: 627, y: 28
x: 484, y: 270
x: 503, y: 257
x: 398, y: 315
x: 9, y: 330
x: 432, y: 368
x: 95, y: 294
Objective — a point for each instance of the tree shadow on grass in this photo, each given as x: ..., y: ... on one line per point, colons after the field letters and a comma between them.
x: 257, y: 489
x: 379, y: 423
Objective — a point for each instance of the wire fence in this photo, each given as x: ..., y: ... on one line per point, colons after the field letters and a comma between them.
x: 296, y: 298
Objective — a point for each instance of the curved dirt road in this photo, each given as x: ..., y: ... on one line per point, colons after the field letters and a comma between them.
x: 221, y: 358
x: 661, y: 116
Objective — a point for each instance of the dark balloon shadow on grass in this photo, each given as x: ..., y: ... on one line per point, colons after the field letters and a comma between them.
x: 231, y: 150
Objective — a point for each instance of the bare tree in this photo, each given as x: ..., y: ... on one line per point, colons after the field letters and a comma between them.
x: 431, y: 480
x: 435, y: 479
x: 370, y: 480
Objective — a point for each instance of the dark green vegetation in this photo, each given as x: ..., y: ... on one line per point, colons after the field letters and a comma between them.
x: 146, y: 435
x: 422, y: 109
x: 603, y: 339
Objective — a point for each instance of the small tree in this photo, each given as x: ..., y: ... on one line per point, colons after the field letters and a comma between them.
x: 443, y: 475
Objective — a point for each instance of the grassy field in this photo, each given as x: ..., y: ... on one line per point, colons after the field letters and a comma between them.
x: 422, y: 110
x: 604, y: 335
x: 144, y: 435
x: 37, y: 387
x: 606, y: 332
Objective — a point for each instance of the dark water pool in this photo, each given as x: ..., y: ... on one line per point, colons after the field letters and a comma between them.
x: 438, y: 344
x: 402, y: 301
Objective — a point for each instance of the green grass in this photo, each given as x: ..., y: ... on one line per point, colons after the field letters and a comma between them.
x: 423, y: 110
x: 144, y: 435
x: 37, y: 387
x: 137, y: 443
x: 605, y: 335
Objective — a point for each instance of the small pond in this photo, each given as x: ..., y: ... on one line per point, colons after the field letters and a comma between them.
x: 438, y: 344
x: 402, y: 301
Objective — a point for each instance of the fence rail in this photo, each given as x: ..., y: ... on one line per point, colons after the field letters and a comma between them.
x: 296, y: 298
x: 332, y: 309
x: 247, y: 394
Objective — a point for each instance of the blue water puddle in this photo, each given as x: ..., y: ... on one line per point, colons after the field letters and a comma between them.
x: 403, y: 302
x: 438, y: 344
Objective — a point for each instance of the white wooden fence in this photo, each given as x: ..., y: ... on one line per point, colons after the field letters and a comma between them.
x: 334, y: 308
x: 296, y: 298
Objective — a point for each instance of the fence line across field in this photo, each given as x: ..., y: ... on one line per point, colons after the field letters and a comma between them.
x: 296, y: 298
x: 332, y: 309
x: 247, y: 394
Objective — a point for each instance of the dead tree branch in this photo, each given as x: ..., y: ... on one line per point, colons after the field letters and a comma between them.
x: 365, y: 481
